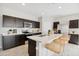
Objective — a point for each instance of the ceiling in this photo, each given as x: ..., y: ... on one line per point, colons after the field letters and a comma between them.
x: 44, y: 9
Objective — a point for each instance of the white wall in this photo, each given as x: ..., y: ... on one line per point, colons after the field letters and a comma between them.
x: 64, y: 23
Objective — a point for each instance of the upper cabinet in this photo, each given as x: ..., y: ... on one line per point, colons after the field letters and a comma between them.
x: 31, y: 24
x: 8, y: 21
x: 27, y: 24
x: 14, y: 22
x: 35, y: 24
x: 73, y: 24
x: 19, y: 23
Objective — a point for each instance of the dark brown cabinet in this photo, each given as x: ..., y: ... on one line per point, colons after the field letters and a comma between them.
x: 8, y: 21
x: 8, y: 42
x: 14, y: 22
x: 20, y: 39
x: 31, y: 47
x: 13, y: 41
x: 74, y: 39
x: 74, y: 24
x: 19, y: 23
x: 35, y: 24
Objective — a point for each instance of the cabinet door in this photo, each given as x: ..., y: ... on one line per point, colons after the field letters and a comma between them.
x: 73, y: 24
x: 35, y: 24
x: 27, y: 24
x: 31, y: 47
x: 8, y: 42
x: 8, y: 22
x: 12, y: 22
x: 20, y: 40
x: 19, y: 23
x: 74, y: 39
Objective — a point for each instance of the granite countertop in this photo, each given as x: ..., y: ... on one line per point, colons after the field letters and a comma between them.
x: 45, y: 39
x: 5, y: 34
x: 32, y: 33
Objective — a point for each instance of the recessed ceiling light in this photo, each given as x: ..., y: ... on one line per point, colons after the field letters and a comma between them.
x: 60, y: 7
x: 23, y: 4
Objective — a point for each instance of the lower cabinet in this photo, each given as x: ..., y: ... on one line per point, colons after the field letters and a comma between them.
x: 13, y: 41
x: 31, y: 47
x: 20, y: 39
x: 8, y: 42
x: 74, y: 39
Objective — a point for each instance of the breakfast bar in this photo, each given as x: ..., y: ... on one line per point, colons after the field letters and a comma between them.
x: 37, y: 43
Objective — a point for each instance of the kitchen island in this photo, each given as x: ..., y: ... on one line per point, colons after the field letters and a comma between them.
x: 37, y: 43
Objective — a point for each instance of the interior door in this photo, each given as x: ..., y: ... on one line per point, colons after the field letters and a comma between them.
x: 55, y: 25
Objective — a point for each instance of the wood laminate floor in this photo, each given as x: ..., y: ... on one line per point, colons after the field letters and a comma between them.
x: 17, y: 51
